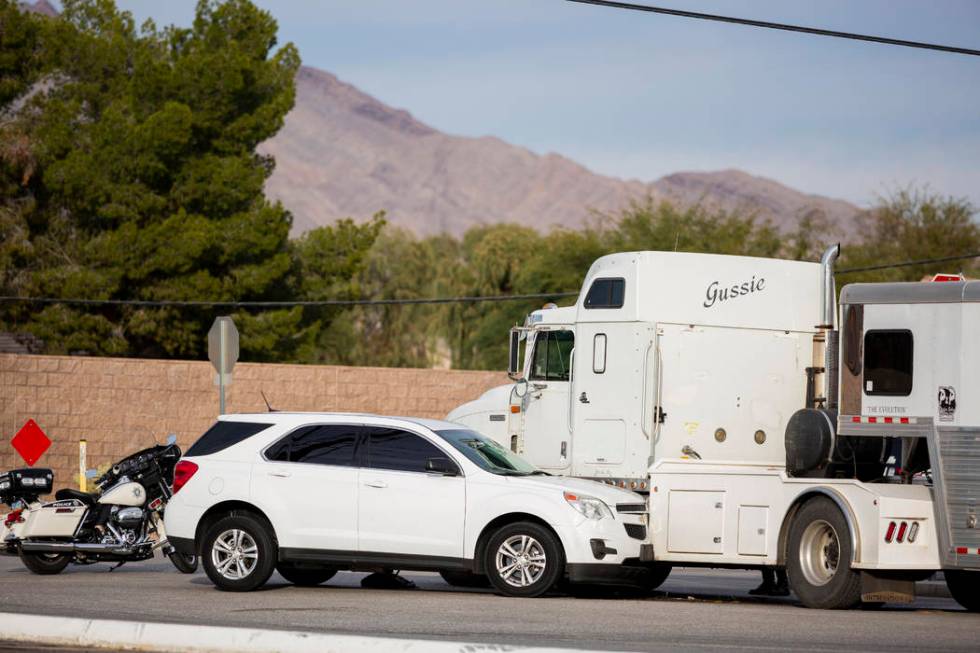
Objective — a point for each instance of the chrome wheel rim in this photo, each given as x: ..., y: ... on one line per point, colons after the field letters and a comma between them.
x: 819, y: 553
x: 521, y: 561
x: 234, y: 554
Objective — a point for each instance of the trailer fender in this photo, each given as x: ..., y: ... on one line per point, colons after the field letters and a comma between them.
x: 845, y: 509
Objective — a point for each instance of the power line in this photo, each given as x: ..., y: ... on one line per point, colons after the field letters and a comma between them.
x: 906, y: 264
x: 780, y: 26
x: 160, y: 303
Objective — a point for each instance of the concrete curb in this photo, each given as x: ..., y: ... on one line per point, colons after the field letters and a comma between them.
x: 149, y: 636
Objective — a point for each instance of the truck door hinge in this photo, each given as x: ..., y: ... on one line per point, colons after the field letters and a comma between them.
x: 659, y: 415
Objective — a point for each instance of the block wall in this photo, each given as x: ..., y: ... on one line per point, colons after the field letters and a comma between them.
x: 119, y: 405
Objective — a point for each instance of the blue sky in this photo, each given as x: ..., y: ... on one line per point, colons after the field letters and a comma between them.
x: 639, y: 96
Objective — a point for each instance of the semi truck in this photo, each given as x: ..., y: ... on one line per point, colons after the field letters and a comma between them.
x: 767, y: 423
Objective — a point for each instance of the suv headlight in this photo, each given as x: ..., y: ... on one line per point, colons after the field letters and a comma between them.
x: 590, y: 507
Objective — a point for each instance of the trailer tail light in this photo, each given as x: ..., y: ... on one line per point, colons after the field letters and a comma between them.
x: 913, y: 532
x: 890, y: 533
x: 183, y: 472
x: 901, y: 532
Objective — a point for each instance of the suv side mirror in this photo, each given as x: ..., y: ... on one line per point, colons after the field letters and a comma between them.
x: 442, y: 466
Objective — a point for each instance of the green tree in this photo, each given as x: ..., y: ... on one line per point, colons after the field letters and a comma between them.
x: 650, y: 225
x: 913, y: 225
x: 146, y: 183
x: 398, y: 266
x: 20, y: 51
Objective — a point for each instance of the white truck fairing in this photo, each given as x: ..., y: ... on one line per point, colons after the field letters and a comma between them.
x: 715, y: 384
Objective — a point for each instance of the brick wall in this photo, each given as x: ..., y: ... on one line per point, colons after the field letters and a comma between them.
x: 120, y: 404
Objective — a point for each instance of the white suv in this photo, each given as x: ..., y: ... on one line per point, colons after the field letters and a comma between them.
x: 308, y: 494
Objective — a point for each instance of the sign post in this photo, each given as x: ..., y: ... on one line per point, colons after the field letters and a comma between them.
x: 223, y: 353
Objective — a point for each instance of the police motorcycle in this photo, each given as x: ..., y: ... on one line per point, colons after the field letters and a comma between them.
x: 120, y: 523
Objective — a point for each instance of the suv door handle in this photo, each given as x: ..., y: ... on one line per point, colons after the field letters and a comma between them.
x: 280, y: 474
x: 378, y: 484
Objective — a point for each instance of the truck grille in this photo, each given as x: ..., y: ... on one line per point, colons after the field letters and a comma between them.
x: 636, y: 531
x: 631, y: 507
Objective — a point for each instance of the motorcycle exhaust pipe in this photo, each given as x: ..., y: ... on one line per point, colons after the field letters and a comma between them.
x: 68, y: 547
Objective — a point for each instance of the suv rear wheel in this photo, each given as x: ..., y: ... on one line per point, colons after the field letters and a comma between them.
x: 239, y: 553
x: 524, y: 559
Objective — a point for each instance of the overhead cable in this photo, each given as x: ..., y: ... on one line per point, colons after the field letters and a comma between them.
x: 179, y: 303
x: 780, y: 26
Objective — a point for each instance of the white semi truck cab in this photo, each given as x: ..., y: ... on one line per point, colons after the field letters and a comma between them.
x: 716, y: 385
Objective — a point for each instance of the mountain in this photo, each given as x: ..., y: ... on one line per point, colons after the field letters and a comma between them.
x: 344, y: 153
x: 40, y: 7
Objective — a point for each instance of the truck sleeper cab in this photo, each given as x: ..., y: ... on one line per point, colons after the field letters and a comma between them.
x: 701, y: 380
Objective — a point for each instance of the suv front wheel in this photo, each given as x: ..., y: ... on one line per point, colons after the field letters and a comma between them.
x: 524, y: 559
x: 239, y: 553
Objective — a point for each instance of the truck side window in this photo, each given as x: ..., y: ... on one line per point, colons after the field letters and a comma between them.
x: 552, y: 356
x: 606, y: 293
x: 888, y: 362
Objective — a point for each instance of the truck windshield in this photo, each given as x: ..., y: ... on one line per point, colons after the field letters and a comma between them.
x: 488, y: 454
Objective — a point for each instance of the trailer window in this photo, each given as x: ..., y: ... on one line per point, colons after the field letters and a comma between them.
x: 606, y: 293
x: 888, y: 363
x: 552, y: 356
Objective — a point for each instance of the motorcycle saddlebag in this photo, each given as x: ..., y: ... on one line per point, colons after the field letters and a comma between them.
x: 57, y: 519
x: 26, y: 484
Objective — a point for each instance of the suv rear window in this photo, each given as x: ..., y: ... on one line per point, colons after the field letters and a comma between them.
x: 223, y: 435
x: 319, y: 444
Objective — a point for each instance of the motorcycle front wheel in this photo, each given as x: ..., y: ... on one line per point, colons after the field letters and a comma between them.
x: 45, y: 564
x: 185, y: 564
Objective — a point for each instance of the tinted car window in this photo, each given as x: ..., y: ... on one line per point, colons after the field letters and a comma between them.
x: 224, y: 434
x: 321, y: 444
x: 888, y: 363
x: 606, y: 293
x: 399, y: 450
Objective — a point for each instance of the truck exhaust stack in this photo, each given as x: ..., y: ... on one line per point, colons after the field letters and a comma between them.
x: 828, y: 312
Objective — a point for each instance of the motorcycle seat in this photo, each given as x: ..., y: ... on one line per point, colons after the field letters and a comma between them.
x: 67, y: 493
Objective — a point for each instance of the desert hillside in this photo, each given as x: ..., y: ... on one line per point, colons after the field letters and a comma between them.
x: 344, y: 153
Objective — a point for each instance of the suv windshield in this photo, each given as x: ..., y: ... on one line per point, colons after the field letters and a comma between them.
x: 488, y: 454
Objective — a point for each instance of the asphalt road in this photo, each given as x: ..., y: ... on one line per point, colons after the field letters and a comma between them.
x: 695, y: 610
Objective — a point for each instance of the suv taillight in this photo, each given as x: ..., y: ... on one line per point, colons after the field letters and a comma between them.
x: 183, y: 472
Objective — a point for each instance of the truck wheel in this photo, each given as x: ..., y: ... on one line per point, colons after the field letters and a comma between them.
x: 45, y: 564
x: 305, y: 577
x: 819, y: 558
x: 964, y: 585
x: 465, y: 579
x: 524, y: 559
x: 239, y: 553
